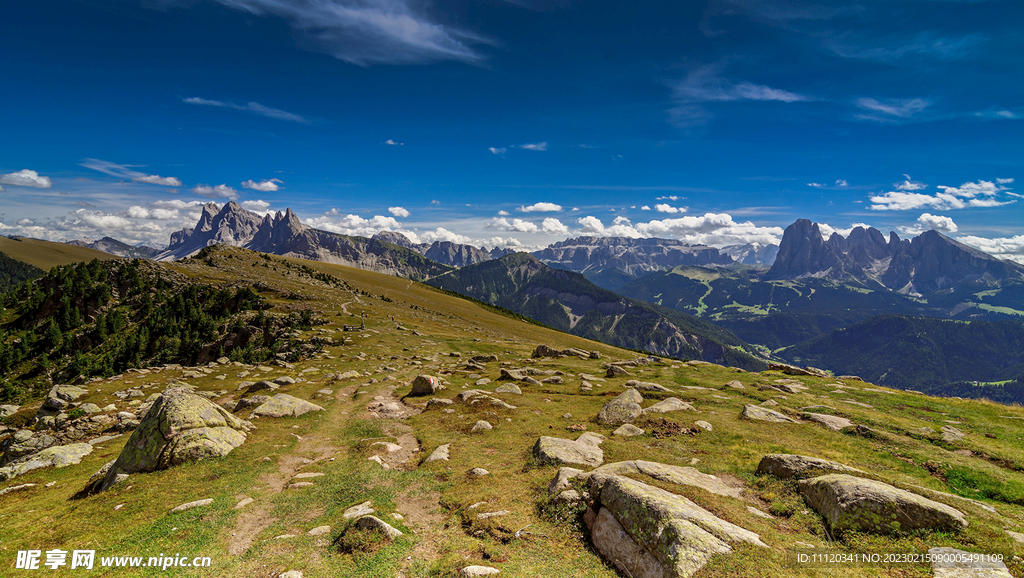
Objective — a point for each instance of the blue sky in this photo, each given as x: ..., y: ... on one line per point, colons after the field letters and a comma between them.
x: 515, y: 122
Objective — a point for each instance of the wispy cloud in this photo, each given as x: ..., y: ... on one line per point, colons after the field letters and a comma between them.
x: 217, y: 192
x: 926, y: 43
x: 393, y: 143
x: 366, y: 32
x: 497, y: 151
x: 539, y: 146
x: 706, y: 84
x: 891, y: 110
x: 253, y: 107
x: 967, y: 195
x: 129, y: 172
x: 25, y: 178
x: 262, y: 186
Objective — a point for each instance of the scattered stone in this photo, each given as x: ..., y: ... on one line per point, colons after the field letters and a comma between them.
x: 439, y: 454
x: 791, y: 370
x: 952, y: 435
x: 478, y: 472
x: 787, y: 466
x: 319, y: 531
x: 284, y: 380
x: 481, y: 425
x: 529, y: 381
x: 298, y: 485
x: 554, y: 379
x: 8, y: 410
x: 374, y: 523
x: 545, y: 351
x: 850, y: 503
x: 284, y: 405
x: 438, y: 402
x: 482, y: 382
x: 953, y: 563
x: 703, y: 425
x: 364, y: 509
x: 245, y: 502
x: 832, y: 422
x: 759, y: 513
x: 307, y: 475
x: 623, y: 409
x: 512, y: 375
x: 645, y: 386
x: 262, y: 386
x: 16, y: 488
x: 616, y: 371
x: 102, y: 439
x: 770, y: 403
x: 487, y: 515
x: 425, y: 385
x: 584, y: 451
x: 735, y: 385
x: 388, y: 447
x: 508, y: 388
x: 562, y: 480
x: 477, y: 571
x: 190, y: 505
x: 54, y: 456
x: 669, y: 404
x: 628, y: 430
x: 756, y: 413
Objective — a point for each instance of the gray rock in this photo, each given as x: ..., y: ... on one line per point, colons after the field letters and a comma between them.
x: 703, y: 425
x: 251, y: 401
x: 478, y: 472
x: 284, y: 405
x: 284, y: 380
x: 438, y: 402
x: 667, y: 405
x: 615, y: 371
x: 623, y: 409
x: 481, y: 425
x: 554, y: 379
x: 512, y: 375
x: 190, y: 505
x: 319, y: 531
x: 8, y: 410
x: 54, y: 456
x: 441, y: 453
x: 24, y: 444
x: 482, y: 382
x: 374, y: 523
x: 787, y: 466
x: 832, y: 422
x: 584, y: 451
x: 628, y: 430
x: 425, y: 385
x: 951, y: 434
x: 850, y: 503
x: 734, y: 385
x: 179, y: 427
x: 509, y: 388
x: 645, y: 386
x: 562, y: 480
x: 17, y: 488
x: 529, y: 381
x: 364, y: 509
x: 90, y: 408
x: 756, y: 413
x: 262, y: 386
x: 478, y: 571
x: 683, y: 476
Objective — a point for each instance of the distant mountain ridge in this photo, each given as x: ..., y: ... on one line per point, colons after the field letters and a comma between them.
x: 444, y: 252
x: 927, y: 263
x: 283, y: 234
x: 115, y: 247
x: 568, y: 301
x: 591, y: 255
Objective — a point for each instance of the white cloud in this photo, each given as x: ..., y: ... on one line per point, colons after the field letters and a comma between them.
x: 253, y: 107
x: 505, y: 243
x: 258, y: 206
x: 2, y: 189
x: 355, y: 225
x: 178, y: 204
x: 393, y: 143
x: 217, y: 192
x: 706, y: 84
x: 1011, y: 248
x: 815, y: 185
x: 539, y: 146
x: 442, y: 234
x: 435, y: 202
x: 398, y: 212
x: 663, y: 208
x: 497, y: 151
x: 541, y: 208
x: 158, y: 180
x: 1003, y: 181
x: 26, y: 178
x: 503, y: 213
x: 553, y: 226
x: 979, y: 194
x: 645, y: 208
x: 842, y: 183
x: 670, y: 198
x: 621, y: 220
x: 503, y: 224
x: 262, y: 186
x: 366, y: 32
x: 710, y: 229
x: 891, y: 109
x: 827, y: 231
x: 937, y: 223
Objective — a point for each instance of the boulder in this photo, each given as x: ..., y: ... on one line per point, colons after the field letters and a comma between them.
x: 24, y: 443
x: 670, y: 404
x: 481, y: 425
x: 850, y: 503
x: 8, y: 410
x: 284, y: 380
x: 438, y: 402
x: 757, y: 413
x: 425, y: 385
x: 180, y: 427
x: 190, y: 505
x: 792, y: 370
x: 623, y: 409
x: 441, y: 453
x: 262, y: 386
x: 645, y: 386
x: 562, y: 480
x: 832, y: 422
x: 703, y: 425
x: 668, y: 535
x: 787, y: 466
x: 734, y: 385
x: 508, y: 388
x: 545, y: 351
x: 683, y: 476
x: 628, y: 430
x: 512, y: 375
x: 584, y: 451
x: 251, y: 401
x: 284, y: 405
x: 54, y: 456
x: 374, y: 523
x: 615, y: 371
x: 477, y: 571
x: 483, y: 358
x: 952, y: 435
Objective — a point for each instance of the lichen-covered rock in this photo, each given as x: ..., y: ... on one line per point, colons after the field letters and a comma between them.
x: 670, y: 404
x: 615, y: 371
x: 179, y: 427
x: 512, y: 375
x: 758, y: 413
x: 425, y: 385
x: 616, y: 545
x: 562, y: 480
x: 374, y: 523
x: 850, y: 503
x: 284, y: 405
x: 832, y: 422
x: 673, y: 530
x: 55, y: 456
x: 787, y: 466
x: 734, y: 385
x: 623, y: 409
x: 24, y: 443
x: 584, y: 451
x: 545, y: 351
x: 684, y: 476
x: 441, y: 453
x: 8, y: 410
x: 262, y: 386
x: 645, y: 386
x: 481, y: 426
x: 508, y: 388
x: 628, y: 430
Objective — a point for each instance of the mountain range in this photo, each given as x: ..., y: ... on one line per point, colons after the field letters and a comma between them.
x: 115, y: 247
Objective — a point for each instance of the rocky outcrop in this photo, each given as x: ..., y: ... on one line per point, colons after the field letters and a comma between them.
x: 849, y: 503
x: 179, y: 427
x: 623, y: 409
x: 425, y: 385
x: 668, y: 405
x: 55, y: 456
x: 758, y: 413
x: 683, y: 476
x: 787, y: 466
x: 545, y: 351
x: 633, y: 257
x: 584, y: 451
x: 284, y: 405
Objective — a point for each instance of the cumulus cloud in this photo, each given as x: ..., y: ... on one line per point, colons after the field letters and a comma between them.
x: 553, y: 226
x: 258, y: 206
x: 827, y: 230
x: 26, y: 178
x: 841, y: 183
x: 979, y: 194
x: 336, y: 222
x: 1010, y: 248
x: 503, y: 224
x: 506, y: 243
x: 399, y: 212
x: 393, y: 143
x: 253, y: 107
x: 539, y: 146
x: 541, y: 208
x: 929, y: 222
x: 217, y: 192
x: 503, y: 213
x: 663, y: 208
x: 262, y: 186
x: 442, y: 234
x: 709, y: 229
x: 1003, y: 181
x: 645, y: 208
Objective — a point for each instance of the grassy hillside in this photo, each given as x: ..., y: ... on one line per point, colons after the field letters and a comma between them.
x: 47, y: 254
x: 412, y: 329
